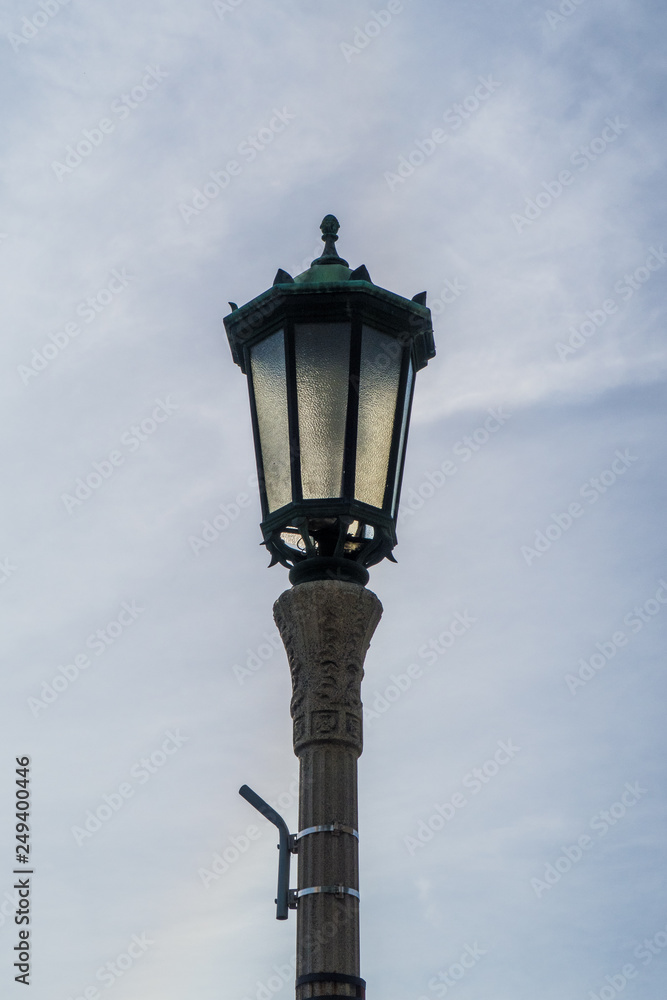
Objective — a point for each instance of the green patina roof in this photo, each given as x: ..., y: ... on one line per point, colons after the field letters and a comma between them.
x: 331, y: 277
x: 318, y: 273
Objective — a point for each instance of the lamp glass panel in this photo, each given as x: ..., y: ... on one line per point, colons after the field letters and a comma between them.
x: 378, y: 388
x: 322, y: 356
x: 267, y: 361
x: 405, y: 416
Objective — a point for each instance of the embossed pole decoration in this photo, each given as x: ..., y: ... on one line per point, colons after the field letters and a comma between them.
x: 327, y: 626
x: 331, y: 360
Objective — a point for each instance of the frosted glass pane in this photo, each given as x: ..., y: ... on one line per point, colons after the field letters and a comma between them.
x: 404, y: 429
x: 378, y: 389
x: 267, y: 360
x: 322, y: 353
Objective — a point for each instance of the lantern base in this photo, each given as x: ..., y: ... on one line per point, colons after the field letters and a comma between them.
x: 328, y: 568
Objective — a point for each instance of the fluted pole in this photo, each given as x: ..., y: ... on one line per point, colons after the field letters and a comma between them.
x: 327, y: 626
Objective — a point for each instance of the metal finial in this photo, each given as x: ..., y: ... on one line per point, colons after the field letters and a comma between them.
x: 330, y: 226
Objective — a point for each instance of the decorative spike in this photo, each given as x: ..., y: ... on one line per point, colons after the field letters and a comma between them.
x: 420, y: 298
x: 234, y: 306
x: 361, y: 274
x: 283, y: 278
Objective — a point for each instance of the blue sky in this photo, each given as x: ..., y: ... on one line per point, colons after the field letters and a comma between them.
x: 161, y: 160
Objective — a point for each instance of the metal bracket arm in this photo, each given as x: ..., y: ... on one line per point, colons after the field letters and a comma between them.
x: 286, y: 846
x: 289, y: 843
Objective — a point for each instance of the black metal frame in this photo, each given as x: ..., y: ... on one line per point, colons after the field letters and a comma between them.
x: 358, y: 304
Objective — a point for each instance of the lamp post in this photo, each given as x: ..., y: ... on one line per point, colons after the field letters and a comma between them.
x: 331, y: 360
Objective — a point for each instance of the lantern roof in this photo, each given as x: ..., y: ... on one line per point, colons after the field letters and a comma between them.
x: 327, y: 274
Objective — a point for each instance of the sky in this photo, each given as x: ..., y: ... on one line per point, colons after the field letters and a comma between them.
x: 162, y: 159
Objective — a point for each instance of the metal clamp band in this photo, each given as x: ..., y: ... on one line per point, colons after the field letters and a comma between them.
x: 328, y: 828
x: 330, y: 996
x: 333, y: 977
x: 337, y: 890
x: 330, y: 977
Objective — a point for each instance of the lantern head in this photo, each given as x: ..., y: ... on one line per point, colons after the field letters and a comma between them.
x: 331, y: 361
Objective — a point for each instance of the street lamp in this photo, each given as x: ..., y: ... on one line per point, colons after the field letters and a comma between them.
x: 331, y: 360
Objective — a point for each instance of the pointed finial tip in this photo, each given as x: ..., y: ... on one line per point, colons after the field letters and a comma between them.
x: 329, y: 226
